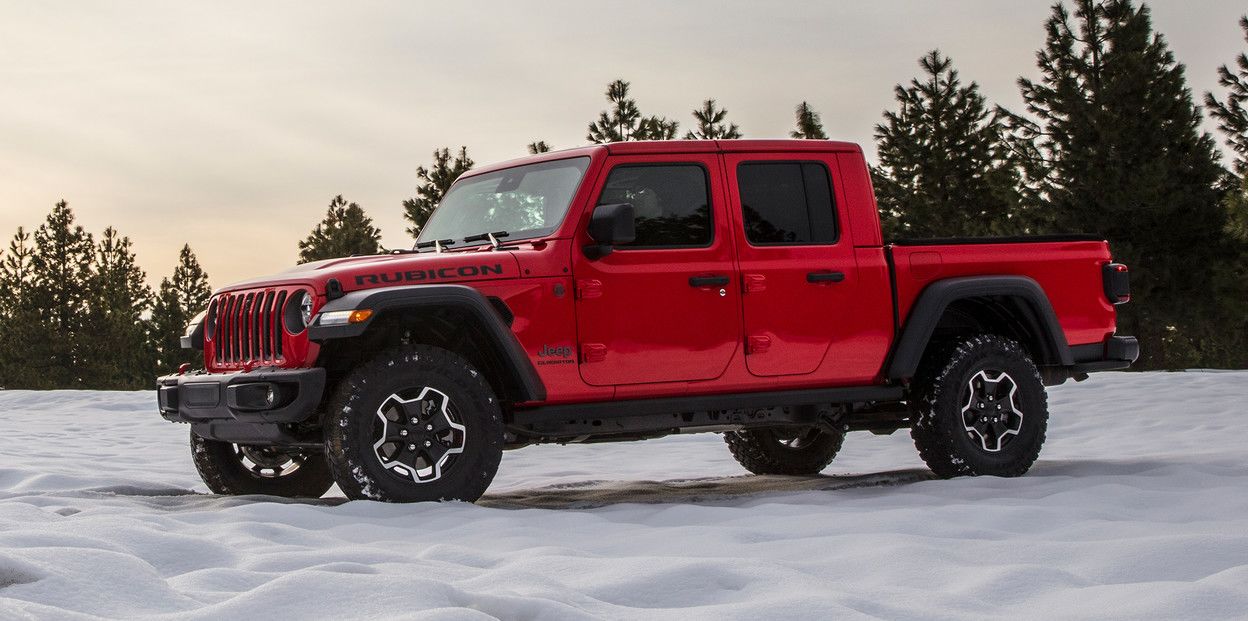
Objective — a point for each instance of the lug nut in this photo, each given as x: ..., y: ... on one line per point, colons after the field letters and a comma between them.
x: 403, y: 432
x: 415, y: 420
x: 428, y: 443
x: 411, y: 447
x: 428, y: 427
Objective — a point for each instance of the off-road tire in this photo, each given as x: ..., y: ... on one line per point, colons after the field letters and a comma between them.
x: 943, y: 388
x: 354, y: 413
x: 222, y: 468
x: 764, y: 451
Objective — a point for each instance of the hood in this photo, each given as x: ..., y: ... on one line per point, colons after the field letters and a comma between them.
x: 390, y: 270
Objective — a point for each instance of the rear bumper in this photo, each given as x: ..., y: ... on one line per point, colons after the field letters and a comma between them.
x: 1115, y: 353
x: 242, y: 397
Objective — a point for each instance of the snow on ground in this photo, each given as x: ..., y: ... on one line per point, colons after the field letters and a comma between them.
x: 1138, y: 508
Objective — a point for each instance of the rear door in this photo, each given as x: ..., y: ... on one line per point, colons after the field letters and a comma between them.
x: 796, y: 260
x: 663, y: 308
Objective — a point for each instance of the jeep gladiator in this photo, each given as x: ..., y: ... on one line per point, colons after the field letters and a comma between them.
x: 634, y: 290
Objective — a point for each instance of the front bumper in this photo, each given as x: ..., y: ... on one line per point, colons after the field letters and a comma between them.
x: 241, y: 397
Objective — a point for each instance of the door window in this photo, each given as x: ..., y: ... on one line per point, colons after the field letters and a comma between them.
x: 671, y: 203
x: 786, y: 203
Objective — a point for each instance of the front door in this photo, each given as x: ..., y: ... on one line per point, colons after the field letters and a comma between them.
x: 663, y: 308
x: 797, y: 268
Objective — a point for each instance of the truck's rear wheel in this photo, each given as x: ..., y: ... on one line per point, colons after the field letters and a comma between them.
x: 235, y: 469
x: 416, y: 423
x: 796, y: 451
x: 979, y: 408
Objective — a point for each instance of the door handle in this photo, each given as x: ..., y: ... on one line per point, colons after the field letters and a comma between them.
x: 709, y: 281
x: 822, y: 277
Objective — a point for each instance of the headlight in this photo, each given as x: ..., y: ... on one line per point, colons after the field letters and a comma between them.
x: 298, y: 312
x: 305, y: 309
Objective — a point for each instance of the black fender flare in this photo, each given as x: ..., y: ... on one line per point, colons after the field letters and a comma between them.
x: 935, y: 299
x: 380, y: 301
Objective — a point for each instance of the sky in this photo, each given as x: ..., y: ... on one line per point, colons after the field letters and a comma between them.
x: 231, y: 125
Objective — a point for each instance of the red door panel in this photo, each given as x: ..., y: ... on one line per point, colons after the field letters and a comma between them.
x: 796, y: 285
x: 657, y: 314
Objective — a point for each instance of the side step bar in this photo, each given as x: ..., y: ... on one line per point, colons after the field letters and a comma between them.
x: 669, y: 414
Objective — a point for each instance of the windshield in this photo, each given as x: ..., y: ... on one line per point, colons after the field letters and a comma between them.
x: 525, y: 201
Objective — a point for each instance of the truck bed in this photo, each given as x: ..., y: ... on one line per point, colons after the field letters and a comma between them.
x: 1068, y: 268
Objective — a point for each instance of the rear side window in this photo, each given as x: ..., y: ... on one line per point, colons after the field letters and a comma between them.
x: 671, y: 203
x: 787, y: 203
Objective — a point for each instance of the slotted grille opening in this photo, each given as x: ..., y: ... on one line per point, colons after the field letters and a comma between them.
x: 253, y: 328
x: 244, y: 325
x: 277, y: 323
x: 236, y: 328
x: 266, y: 326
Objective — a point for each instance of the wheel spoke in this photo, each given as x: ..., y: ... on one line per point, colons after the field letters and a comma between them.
x: 412, y: 413
x: 435, y: 451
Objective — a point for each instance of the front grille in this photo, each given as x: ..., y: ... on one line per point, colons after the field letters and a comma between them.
x: 246, y: 328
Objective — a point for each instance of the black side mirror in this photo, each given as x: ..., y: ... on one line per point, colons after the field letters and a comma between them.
x: 610, y: 225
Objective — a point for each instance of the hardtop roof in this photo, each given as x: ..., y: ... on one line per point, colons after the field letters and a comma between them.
x: 666, y: 147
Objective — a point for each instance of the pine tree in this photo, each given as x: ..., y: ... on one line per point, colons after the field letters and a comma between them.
x: 20, y: 323
x: 61, y: 277
x: 711, y: 124
x: 625, y: 122
x: 1232, y: 117
x: 15, y: 273
x: 945, y: 169
x: 345, y: 231
x: 1120, y: 153
x: 809, y: 126
x: 436, y: 180
x: 1232, y: 114
x: 538, y: 147
x: 115, y: 346
x: 181, y: 297
x: 657, y: 128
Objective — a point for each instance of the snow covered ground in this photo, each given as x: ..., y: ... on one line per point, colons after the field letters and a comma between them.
x: 1138, y: 508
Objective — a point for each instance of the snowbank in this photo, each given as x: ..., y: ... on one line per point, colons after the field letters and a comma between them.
x: 1137, y: 508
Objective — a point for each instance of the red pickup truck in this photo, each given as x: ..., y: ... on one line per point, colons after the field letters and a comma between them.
x: 629, y: 291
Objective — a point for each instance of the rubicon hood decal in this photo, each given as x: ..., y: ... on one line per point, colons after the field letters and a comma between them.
x: 433, y: 273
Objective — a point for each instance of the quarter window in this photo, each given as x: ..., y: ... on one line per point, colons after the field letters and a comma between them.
x: 787, y: 203
x: 671, y: 203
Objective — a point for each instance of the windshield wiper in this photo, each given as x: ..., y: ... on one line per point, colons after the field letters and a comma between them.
x: 492, y: 237
x: 436, y: 244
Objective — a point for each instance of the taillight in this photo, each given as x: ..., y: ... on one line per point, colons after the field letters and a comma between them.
x: 1117, y: 280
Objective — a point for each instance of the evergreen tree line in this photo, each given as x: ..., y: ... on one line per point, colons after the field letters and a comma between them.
x: 1108, y: 142
x: 75, y: 313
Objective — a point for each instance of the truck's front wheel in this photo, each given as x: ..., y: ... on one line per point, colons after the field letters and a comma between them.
x: 235, y: 469
x: 416, y: 423
x: 979, y: 408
